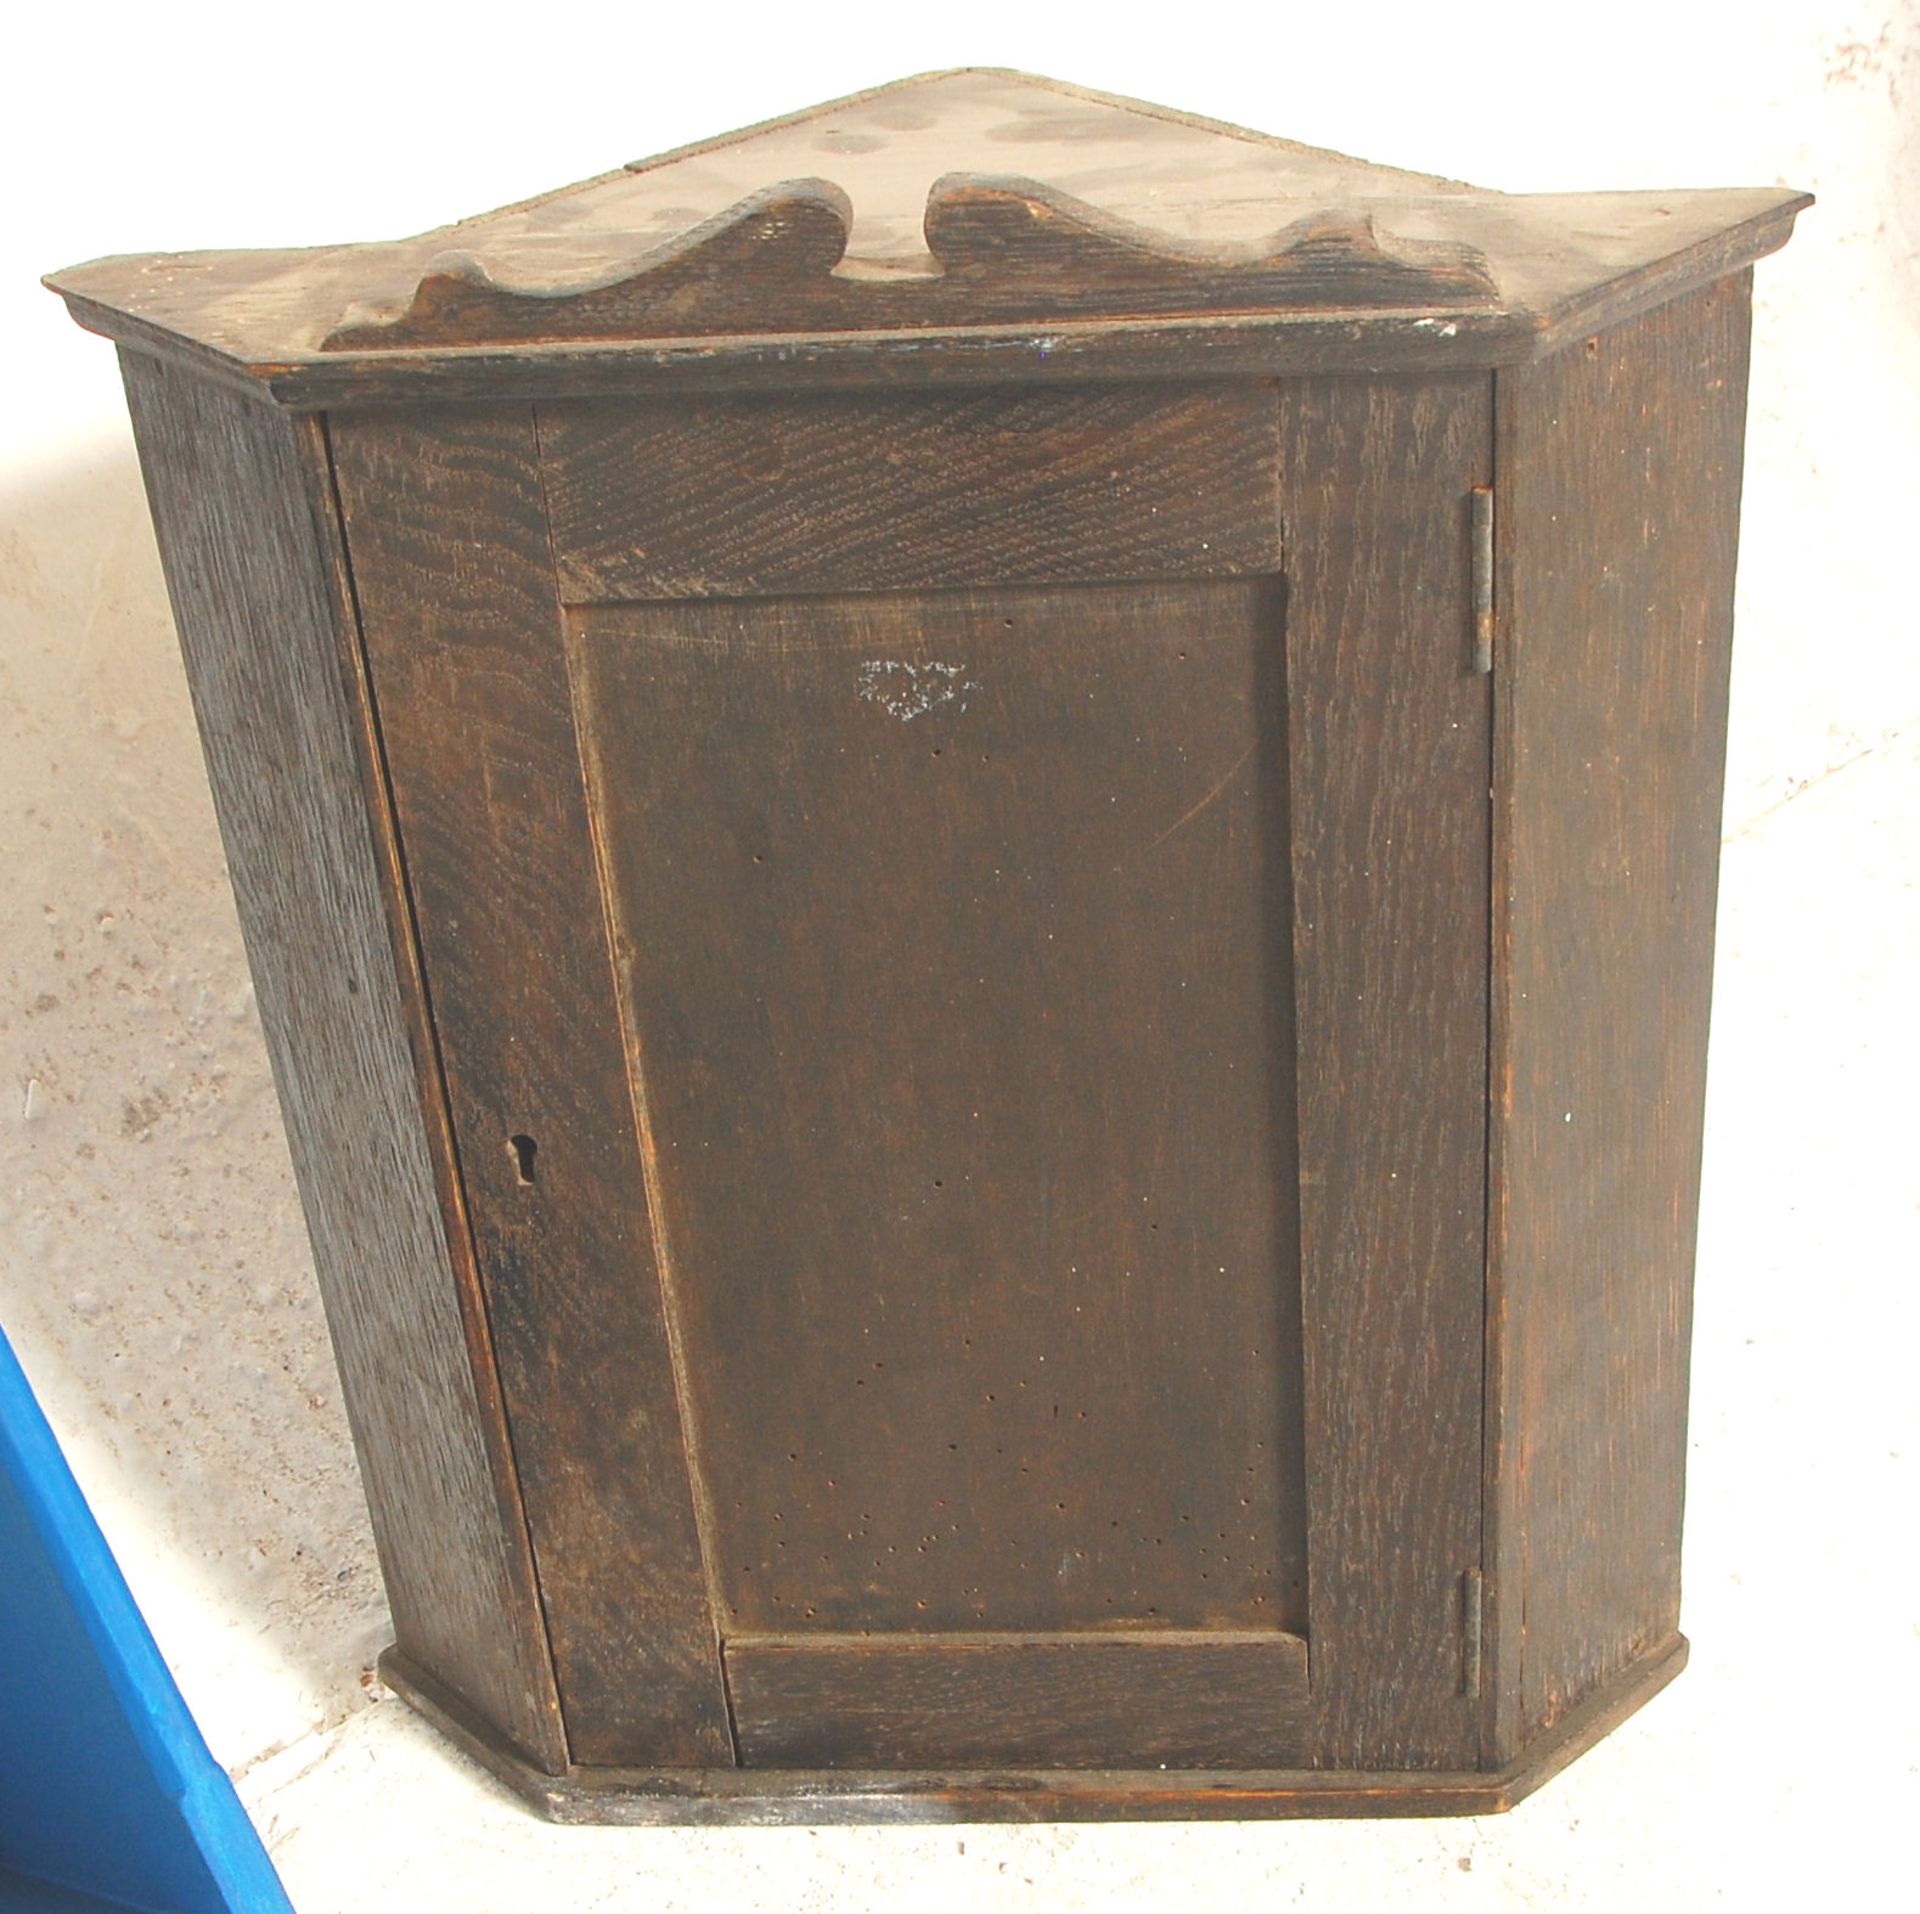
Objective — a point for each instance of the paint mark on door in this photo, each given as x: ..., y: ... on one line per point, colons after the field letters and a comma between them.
x: 907, y: 691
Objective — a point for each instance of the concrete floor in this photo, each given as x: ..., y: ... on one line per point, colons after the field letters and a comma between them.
x: 154, y: 1275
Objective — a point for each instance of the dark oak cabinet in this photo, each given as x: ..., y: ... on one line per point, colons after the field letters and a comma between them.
x: 984, y: 906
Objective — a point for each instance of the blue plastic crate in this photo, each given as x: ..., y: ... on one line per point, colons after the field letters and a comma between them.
x: 108, y: 1795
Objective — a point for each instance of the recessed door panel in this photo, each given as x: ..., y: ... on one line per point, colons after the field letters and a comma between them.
x: 954, y: 937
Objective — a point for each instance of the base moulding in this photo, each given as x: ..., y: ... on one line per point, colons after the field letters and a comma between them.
x: 768, y: 1797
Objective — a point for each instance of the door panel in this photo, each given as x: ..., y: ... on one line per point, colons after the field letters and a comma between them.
x: 954, y: 935
x: 971, y: 1097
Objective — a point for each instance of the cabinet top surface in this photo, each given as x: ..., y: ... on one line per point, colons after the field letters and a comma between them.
x: 970, y: 224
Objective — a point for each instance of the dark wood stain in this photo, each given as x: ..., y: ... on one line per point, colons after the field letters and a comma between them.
x: 1188, y: 1700
x: 240, y: 502
x: 1390, y: 754
x: 758, y: 497
x: 821, y: 1797
x: 989, y: 1133
x: 968, y: 1068
x: 462, y: 628
x: 1619, y: 488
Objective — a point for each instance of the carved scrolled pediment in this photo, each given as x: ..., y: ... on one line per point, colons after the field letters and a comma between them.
x: 998, y: 251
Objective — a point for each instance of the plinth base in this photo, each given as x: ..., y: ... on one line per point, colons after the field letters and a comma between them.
x: 820, y: 1797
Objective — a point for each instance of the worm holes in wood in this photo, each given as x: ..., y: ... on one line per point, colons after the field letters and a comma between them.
x: 523, y: 1149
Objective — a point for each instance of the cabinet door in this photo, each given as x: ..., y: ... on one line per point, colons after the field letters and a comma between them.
x: 957, y: 932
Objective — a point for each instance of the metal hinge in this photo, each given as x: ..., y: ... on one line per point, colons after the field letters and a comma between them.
x: 1483, y: 577
x: 1470, y: 1605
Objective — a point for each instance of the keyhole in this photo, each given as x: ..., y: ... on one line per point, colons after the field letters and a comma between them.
x: 523, y: 1148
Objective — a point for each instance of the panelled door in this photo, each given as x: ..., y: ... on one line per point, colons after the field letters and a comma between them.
x: 956, y: 930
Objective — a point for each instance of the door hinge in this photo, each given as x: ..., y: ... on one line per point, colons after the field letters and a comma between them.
x: 1470, y: 1605
x: 1482, y: 578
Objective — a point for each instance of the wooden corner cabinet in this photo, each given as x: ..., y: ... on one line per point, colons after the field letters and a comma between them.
x: 983, y: 893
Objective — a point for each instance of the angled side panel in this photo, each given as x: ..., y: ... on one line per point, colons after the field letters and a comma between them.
x: 1619, y: 493
x: 238, y: 495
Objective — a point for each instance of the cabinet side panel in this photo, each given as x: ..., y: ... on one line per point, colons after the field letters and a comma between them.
x: 1619, y: 491
x: 1389, y: 750
x: 447, y: 532
x: 250, y: 570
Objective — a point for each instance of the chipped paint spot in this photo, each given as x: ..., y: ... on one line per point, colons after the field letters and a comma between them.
x: 906, y: 691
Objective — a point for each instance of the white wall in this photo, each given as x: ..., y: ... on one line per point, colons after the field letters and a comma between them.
x: 153, y: 1269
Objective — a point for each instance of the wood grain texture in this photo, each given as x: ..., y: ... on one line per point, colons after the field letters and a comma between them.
x: 945, y: 1054
x: 239, y: 500
x: 968, y: 1065
x: 1197, y: 189
x: 1389, y: 754
x: 450, y: 559
x: 1188, y: 1700
x: 1619, y: 504
x: 788, y: 1797
x: 999, y: 250
x: 758, y: 496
